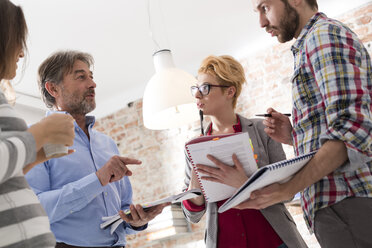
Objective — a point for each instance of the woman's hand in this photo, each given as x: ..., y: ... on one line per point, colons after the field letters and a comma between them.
x: 55, y: 129
x: 194, y: 184
x: 230, y: 175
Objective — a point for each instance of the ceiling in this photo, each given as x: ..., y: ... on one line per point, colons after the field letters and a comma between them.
x: 118, y: 35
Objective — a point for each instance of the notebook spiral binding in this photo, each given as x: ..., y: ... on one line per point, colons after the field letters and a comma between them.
x: 281, y: 164
x: 197, y: 174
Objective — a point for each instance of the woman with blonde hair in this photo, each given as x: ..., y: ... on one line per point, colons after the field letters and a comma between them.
x: 220, y: 80
x: 23, y: 221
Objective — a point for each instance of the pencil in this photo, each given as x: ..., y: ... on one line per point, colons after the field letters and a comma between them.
x: 269, y: 115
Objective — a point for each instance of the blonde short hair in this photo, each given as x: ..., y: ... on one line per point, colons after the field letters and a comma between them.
x: 227, y: 70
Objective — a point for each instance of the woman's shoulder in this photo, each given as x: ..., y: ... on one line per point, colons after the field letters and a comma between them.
x: 256, y: 122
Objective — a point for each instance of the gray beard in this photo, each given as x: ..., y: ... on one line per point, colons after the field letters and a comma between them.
x: 77, y: 106
x: 82, y: 108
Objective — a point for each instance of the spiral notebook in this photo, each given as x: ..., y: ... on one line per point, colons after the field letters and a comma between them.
x: 278, y: 172
x: 222, y: 147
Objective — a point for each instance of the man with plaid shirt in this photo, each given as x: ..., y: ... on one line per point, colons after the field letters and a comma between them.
x: 332, y: 91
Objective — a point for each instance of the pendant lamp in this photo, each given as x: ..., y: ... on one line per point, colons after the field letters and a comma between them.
x: 167, y: 101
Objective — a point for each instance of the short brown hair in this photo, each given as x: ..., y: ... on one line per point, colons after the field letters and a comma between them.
x: 13, y: 33
x: 227, y: 70
x: 55, y: 67
x: 313, y: 4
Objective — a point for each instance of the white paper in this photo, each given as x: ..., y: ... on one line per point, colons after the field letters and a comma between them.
x: 222, y: 149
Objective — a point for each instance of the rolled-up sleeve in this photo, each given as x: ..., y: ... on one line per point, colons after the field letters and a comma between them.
x: 343, y: 75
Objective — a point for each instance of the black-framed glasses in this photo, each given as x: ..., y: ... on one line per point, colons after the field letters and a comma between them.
x: 204, y: 89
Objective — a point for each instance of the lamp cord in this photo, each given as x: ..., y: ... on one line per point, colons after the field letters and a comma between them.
x: 150, y: 26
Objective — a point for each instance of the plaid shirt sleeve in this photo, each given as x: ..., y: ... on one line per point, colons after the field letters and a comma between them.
x: 342, y: 69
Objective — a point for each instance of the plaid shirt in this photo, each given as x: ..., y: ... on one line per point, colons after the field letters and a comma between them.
x: 332, y: 91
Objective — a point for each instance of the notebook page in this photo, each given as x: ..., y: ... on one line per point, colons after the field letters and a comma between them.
x: 222, y: 149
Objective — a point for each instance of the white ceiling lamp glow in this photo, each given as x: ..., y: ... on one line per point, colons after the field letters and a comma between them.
x: 167, y: 102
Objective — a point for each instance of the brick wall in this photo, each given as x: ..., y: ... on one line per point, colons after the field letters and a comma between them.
x: 161, y: 172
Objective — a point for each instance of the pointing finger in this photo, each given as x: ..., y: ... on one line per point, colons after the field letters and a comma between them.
x: 130, y: 160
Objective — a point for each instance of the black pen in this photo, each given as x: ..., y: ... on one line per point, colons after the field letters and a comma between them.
x: 269, y: 115
x: 201, y: 122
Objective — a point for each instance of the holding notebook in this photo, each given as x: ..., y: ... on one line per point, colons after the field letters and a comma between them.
x: 218, y: 86
x: 222, y: 147
x: 273, y: 173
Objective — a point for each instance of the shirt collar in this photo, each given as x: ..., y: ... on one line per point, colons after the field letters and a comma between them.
x: 89, y: 119
x: 301, y: 38
x: 237, y: 127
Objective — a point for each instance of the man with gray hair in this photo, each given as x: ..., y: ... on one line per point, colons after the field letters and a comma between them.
x: 77, y: 190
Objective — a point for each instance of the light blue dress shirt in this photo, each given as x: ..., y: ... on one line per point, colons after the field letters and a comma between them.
x: 73, y: 196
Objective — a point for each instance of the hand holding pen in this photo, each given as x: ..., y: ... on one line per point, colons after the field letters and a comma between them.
x: 278, y: 126
x: 269, y: 115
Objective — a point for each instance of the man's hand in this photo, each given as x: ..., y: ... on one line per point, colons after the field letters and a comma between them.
x: 278, y: 127
x: 115, y: 169
x: 230, y: 175
x: 265, y: 197
x: 329, y: 157
x: 138, y: 217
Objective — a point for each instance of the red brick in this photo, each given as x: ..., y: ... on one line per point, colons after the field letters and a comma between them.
x: 138, y: 105
x: 367, y: 38
x: 363, y: 11
x: 361, y: 31
x: 131, y: 124
x: 365, y: 19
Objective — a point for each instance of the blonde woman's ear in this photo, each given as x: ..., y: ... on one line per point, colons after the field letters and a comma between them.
x: 231, y: 91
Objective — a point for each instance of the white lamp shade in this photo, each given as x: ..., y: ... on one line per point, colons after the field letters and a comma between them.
x: 167, y: 101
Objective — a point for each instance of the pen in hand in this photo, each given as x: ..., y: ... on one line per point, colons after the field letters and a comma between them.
x: 269, y: 115
x: 201, y: 121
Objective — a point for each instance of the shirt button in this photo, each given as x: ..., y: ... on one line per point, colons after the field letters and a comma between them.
x: 71, y: 212
x: 243, y: 234
x: 238, y: 214
x: 105, y: 193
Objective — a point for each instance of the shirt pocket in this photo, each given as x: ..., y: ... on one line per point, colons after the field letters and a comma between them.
x: 304, y: 89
